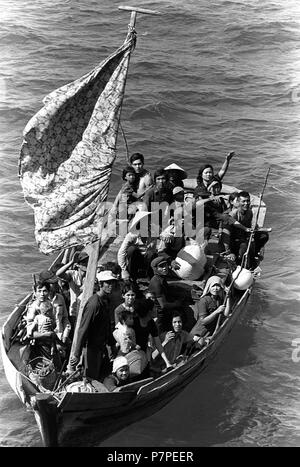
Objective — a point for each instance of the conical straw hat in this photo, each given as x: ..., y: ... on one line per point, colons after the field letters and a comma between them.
x: 176, y: 167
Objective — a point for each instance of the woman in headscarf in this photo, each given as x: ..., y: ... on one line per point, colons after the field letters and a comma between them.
x: 209, y: 307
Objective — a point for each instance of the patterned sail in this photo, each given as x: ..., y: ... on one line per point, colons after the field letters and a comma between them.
x: 68, y: 151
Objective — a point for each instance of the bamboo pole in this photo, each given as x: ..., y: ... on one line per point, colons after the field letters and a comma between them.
x: 244, y: 262
x: 94, y: 250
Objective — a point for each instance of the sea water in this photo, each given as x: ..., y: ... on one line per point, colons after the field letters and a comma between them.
x: 206, y: 78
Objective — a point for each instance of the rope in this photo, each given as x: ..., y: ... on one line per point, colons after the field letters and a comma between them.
x: 125, y: 141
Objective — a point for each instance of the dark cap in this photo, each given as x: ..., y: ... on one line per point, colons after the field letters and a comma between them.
x: 159, y: 260
x: 81, y: 257
x: 47, y: 276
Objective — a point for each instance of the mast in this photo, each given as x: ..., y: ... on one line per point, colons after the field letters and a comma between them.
x: 94, y: 248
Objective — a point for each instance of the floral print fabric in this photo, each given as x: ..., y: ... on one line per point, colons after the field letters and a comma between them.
x: 68, y: 151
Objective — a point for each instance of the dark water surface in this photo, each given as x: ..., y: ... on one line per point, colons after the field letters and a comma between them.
x: 206, y: 78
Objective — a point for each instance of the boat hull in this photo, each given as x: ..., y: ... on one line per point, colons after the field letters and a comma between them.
x: 101, y: 417
x: 65, y: 419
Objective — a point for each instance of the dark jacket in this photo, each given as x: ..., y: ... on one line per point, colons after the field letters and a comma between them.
x: 95, y: 328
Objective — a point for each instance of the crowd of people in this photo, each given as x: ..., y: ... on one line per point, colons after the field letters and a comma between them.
x: 125, y: 332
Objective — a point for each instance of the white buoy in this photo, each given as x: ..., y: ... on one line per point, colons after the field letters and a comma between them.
x: 243, y: 278
x: 191, y: 260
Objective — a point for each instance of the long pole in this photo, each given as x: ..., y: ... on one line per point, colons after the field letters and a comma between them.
x: 94, y: 250
x: 131, y: 28
x: 245, y: 256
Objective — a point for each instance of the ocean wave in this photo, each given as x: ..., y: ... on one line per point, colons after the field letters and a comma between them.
x: 154, y: 110
x: 263, y: 34
x: 20, y: 35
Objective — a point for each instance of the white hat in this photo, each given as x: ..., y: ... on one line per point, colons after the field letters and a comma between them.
x: 118, y: 363
x: 138, y: 216
x: 105, y: 276
x: 176, y: 167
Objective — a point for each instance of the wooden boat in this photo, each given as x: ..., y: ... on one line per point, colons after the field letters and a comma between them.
x: 62, y: 416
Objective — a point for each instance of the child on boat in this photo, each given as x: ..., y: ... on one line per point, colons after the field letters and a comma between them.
x: 129, y: 187
x: 44, y: 322
x: 128, y: 291
x: 42, y: 331
x: 124, y: 333
x: 127, y: 195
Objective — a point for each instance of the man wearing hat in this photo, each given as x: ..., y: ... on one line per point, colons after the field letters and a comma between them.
x: 47, y: 276
x: 158, y: 285
x: 74, y: 273
x: 94, y: 332
x: 176, y: 175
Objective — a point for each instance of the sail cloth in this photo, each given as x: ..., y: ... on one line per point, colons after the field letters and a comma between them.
x: 68, y: 151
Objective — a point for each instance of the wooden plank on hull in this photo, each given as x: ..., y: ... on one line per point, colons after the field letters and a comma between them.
x: 73, y: 401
